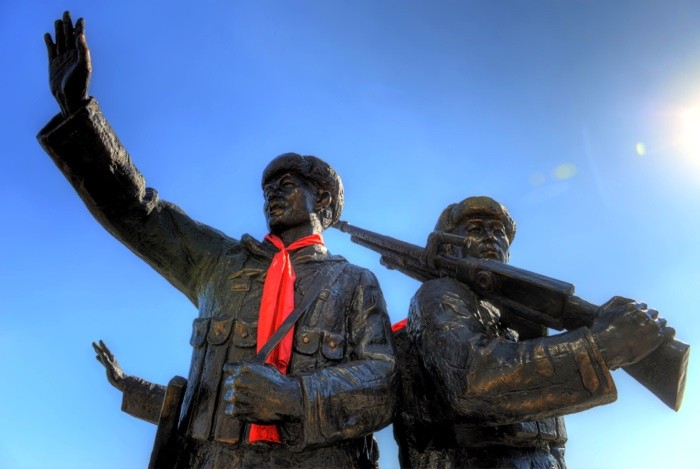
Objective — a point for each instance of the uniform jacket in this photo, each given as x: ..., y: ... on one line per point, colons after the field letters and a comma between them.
x: 483, y: 397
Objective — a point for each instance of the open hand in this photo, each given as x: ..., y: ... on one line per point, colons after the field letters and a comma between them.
x: 69, y: 64
x: 115, y: 375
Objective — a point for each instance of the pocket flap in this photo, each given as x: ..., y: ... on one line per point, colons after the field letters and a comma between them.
x: 200, y: 326
x: 333, y: 346
x: 245, y: 334
x: 307, y: 340
x: 219, y: 331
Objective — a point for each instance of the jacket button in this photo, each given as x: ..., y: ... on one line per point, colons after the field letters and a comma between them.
x: 332, y: 344
x: 306, y: 340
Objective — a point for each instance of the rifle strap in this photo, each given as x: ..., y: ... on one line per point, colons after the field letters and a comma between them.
x: 325, y: 277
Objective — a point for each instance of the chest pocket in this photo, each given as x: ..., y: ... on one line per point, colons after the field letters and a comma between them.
x: 333, y: 346
x: 245, y: 334
x: 309, y: 341
x: 219, y: 330
x: 245, y: 289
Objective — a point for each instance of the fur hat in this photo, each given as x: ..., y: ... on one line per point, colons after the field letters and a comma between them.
x: 318, y: 173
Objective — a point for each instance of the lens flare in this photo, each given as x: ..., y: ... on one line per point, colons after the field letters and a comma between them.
x: 565, y: 171
x: 640, y: 149
x: 537, y: 178
x: 690, y: 133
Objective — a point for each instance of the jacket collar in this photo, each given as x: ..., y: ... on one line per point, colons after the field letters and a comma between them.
x: 315, y: 252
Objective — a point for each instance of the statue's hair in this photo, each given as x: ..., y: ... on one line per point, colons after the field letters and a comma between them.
x: 318, y: 173
x: 474, y: 207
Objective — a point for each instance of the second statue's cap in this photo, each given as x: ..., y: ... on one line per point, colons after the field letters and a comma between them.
x: 473, y: 207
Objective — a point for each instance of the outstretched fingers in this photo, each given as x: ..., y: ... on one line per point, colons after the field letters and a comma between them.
x: 99, y: 358
x: 68, y: 31
x: 79, y: 33
x: 104, y: 355
x: 100, y: 353
x: 60, y: 38
x: 65, y: 36
x: 81, y: 44
x: 50, y: 46
x: 106, y: 350
x: 103, y: 350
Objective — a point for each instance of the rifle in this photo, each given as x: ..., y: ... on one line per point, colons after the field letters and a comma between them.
x: 533, y: 297
x: 164, y: 454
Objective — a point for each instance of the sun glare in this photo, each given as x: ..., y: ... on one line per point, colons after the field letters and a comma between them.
x: 690, y: 132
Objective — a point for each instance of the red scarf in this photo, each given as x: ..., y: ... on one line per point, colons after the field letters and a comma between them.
x: 399, y: 325
x: 277, y: 303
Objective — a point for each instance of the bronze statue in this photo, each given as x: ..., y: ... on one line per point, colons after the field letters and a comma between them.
x: 292, y: 364
x: 482, y: 384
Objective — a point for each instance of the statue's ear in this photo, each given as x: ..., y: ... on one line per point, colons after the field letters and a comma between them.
x: 323, y: 200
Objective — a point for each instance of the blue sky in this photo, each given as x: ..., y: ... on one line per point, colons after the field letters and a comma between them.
x: 580, y: 116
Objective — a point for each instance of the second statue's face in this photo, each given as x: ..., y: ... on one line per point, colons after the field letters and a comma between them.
x: 289, y: 202
x: 486, y: 238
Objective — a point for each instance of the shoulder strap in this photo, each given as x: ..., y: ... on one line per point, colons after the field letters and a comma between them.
x: 325, y: 277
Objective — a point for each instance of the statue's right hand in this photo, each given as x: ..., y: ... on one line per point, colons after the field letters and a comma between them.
x: 115, y: 375
x: 69, y: 64
x: 626, y: 331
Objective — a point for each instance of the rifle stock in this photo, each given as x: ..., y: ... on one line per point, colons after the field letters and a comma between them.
x: 164, y: 452
x: 534, y: 297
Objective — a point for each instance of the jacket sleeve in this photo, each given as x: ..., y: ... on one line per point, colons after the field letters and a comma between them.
x: 494, y: 378
x: 143, y: 399
x: 88, y: 152
x: 352, y: 399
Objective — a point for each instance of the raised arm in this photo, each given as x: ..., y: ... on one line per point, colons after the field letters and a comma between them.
x: 86, y: 149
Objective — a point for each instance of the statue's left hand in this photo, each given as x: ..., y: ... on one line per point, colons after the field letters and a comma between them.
x: 261, y: 394
x: 69, y: 64
x: 115, y: 374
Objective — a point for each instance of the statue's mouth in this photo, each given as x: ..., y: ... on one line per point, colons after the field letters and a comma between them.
x: 275, y: 208
x: 491, y: 252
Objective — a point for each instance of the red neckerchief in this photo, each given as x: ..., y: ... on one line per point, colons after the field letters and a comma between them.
x: 277, y: 303
x: 399, y: 325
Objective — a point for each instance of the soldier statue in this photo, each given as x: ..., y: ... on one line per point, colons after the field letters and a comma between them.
x: 483, y: 388
x: 314, y: 399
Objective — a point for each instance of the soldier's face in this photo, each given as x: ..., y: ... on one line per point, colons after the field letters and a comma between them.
x: 289, y: 202
x: 486, y: 238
